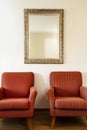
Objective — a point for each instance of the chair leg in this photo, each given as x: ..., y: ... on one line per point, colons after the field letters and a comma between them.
x: 30, y: 124
x: 53, y: 122
x: 86, y: 117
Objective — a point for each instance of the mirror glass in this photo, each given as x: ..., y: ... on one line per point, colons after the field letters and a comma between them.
x: 43, y: 36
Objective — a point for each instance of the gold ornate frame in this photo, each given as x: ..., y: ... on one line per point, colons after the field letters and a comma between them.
x: 28, y: 12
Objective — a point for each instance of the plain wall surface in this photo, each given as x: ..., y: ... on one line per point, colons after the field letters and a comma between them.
x: 12, y: 41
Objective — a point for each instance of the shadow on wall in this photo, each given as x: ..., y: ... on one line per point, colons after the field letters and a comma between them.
x: 41, y: 99
x: 84, y: 78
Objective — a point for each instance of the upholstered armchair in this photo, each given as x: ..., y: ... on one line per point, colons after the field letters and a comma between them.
x: 67, y: 96
x: 17, y: 96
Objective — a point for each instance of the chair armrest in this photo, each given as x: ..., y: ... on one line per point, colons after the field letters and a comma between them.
x: 50, y: 93
x: 32, y: 97
x: 83, y: 92
x: 51, y: 98
x: 1, y: 92
x: 32, y: 94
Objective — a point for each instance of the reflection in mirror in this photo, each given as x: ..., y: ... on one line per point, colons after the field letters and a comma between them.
x: 43, y: 36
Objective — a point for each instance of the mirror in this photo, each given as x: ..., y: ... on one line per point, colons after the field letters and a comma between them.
x: 43, y: 36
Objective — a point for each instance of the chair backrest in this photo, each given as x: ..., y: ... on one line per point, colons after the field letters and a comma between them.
x: 66, y: 84
x: 17, y: 84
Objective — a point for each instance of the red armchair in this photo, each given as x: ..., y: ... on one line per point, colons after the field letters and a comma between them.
x: 67, y: 96
x: 17, y: 95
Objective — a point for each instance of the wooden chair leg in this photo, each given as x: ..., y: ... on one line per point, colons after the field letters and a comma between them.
x: 30, y: 124
x: 53, y: 122
x: 86, y: 117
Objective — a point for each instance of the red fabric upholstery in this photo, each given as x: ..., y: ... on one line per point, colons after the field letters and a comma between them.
x: 83, y: 92
x: 66, y: 95
x: 70, y: 112
x: 70, y: 103
x: 14, y: 103
x: 18, y: 95
x: 1, y: 93
x: 51, y: 98
x: 17, y: 84
x: 66, y: 83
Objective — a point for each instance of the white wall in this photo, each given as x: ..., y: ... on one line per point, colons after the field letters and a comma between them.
x: 12, y: 41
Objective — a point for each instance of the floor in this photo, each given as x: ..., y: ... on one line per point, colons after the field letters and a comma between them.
x: 41, y: 121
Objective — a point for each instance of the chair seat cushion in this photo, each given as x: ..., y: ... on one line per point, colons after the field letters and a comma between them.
x: 14, y: 103
x: 70, y: 103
